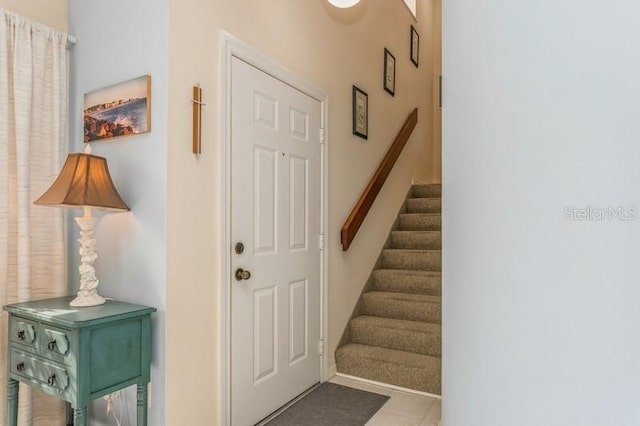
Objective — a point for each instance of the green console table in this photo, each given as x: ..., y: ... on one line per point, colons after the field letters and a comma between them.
x: 78, y: 354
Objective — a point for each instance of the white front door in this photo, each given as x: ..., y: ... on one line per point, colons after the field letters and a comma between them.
x: 276, y: 216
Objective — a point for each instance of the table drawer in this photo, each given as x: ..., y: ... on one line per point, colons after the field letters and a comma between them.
x: 23, y: 332
x: 41, y: 370
x: 54, y: 341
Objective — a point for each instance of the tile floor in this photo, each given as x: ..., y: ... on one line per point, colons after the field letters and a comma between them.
x: 402, y: 409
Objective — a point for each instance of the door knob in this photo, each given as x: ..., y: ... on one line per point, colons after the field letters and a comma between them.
x: 241, y: 274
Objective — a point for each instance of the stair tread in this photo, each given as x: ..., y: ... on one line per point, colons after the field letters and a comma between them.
x: 421, y: 214
x: 406, y: 369
x: 400, y: 334
x: 413, y: 250
x: 408, y: 281
x: 416, y: 232
x: 395, y: 252
x: 392, y: 355
x: 413, y: 259
x: 424, y: 205
x: 419, y: 222
x: 419, y: 191
x: 404, y: 297
x: 418, y: 326
x: 408, y: 272
x: 404, y: 306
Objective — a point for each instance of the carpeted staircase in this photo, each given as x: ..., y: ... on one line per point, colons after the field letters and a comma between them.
x: 394, y: 335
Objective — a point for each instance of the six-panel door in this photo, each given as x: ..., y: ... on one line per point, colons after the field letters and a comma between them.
x: 276, y: 214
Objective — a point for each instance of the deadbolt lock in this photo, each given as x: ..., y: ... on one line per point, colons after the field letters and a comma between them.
x: 239, y: 248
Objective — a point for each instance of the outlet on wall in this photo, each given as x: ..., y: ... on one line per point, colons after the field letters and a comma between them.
x: 110, y: 398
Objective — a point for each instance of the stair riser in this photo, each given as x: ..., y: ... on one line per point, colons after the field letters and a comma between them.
x: 420, y: 379
x: 393, y: 338
x: 404, y: 310
x: 413, y: 222
x: 424, y: 205
x: 426, y: 191
x: 401, y: 283
x: 418, y: 261
x: 416, y: 240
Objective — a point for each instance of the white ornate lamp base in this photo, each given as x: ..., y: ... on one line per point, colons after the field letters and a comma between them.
x: 87, y: 298
x: 88, y: 293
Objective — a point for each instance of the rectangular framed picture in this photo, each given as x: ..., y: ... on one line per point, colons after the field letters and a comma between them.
x: 389, y: 72
x: 120, y: 110
x: 360, y: 113
x: 415, y: 46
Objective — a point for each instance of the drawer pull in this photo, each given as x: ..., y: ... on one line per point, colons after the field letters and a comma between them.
x: 21, y: 335
x: 20, y: 367
x: 52, y: 345
x: 51, y: 381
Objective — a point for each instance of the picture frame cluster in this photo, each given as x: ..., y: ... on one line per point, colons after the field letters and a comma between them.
x: 360, y: 98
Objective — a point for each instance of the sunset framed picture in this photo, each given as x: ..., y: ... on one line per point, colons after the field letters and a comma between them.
x: 123, y: 109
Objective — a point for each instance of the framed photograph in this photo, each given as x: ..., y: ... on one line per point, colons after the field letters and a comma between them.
x: 415, y: 47
x: 120, y: 110
x: 389, y: 83
x: 360, y: 113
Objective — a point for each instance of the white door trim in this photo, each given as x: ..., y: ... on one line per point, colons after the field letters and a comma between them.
x: 231, y: 47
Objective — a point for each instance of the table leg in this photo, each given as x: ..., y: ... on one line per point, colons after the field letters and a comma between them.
x: 142, y: 404
x: 80, y: 417
x: 12, y: 402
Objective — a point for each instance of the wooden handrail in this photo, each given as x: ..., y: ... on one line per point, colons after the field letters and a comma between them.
x: 362, y: 207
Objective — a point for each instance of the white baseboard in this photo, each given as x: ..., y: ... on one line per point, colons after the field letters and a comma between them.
x: 331, y: 371
x: 388, y: 386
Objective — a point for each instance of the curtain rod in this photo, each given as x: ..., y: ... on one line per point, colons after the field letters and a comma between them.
x: 71, y: 39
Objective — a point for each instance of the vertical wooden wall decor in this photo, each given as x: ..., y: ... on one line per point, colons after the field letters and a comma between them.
x: 197, y: 119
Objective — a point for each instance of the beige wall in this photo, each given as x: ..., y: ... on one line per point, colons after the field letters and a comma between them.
x: 333, y: 49
x: 48, y: 12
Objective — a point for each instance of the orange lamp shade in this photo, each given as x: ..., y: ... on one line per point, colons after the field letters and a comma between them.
x: 83, y: 182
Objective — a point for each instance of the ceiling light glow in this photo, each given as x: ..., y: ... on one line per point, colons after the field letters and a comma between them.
x: 344, y: 3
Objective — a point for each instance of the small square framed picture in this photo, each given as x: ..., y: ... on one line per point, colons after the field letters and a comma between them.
x: 415, y: 46
x: 360, y: 113
x: 389, y: 83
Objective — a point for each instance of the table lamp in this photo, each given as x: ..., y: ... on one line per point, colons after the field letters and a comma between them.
x: 84, y: 182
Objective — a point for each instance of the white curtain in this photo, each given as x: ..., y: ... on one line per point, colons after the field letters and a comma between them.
x: 33, y: 116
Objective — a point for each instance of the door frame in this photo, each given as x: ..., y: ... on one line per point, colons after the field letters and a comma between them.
x: 231, y: 47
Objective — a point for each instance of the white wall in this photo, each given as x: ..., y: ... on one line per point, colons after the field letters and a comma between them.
x: 117, y: 41
x: 334, y: 49
x: 540, y: 312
